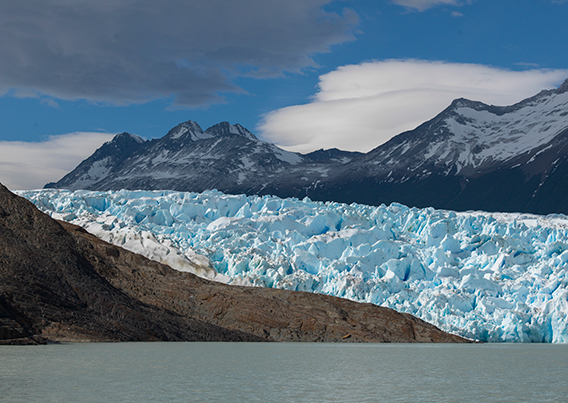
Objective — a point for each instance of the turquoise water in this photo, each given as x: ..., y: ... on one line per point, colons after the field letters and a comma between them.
x: 283, y: 372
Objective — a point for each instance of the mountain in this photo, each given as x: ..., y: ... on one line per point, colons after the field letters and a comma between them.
x: 472, y: 156
x: 59, y: 283
x: 104, y: 162
x: 225, y: 157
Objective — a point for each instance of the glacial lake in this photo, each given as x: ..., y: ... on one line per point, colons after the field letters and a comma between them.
x: 283, y: 372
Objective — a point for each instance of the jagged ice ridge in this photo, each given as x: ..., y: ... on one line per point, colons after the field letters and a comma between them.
x: 486, y: 276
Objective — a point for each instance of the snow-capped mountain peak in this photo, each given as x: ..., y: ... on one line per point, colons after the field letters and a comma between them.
x: 470, y: 137
x: 192, y: 131
x: 126, y: 138
x: 187, y: 130
x: 227, y: 129
x: 486, y: 135
x: 225, y: 156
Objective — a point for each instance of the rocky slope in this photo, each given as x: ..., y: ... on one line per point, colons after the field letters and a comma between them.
x: 59, y: 283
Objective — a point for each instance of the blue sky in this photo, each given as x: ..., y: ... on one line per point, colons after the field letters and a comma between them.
x: 304, y: 74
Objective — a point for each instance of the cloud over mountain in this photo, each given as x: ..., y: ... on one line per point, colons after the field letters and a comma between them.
x: 29, y: 165
x: 358, y: 107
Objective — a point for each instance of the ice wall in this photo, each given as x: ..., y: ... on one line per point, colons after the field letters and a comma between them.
x: 487, y: 276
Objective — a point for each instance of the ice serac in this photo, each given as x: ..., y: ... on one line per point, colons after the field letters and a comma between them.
x: 485, y: 276
x: 60, y: 283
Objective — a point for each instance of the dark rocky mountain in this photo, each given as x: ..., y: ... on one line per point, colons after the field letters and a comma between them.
x: 472, y: 156
x: 225, y: 157
x: 104, y: 162
x: 59, y: 283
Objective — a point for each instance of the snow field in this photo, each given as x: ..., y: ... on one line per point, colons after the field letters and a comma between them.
x: 486, y: 276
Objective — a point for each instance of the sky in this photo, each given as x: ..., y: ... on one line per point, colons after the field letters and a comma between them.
x: 303, y: 74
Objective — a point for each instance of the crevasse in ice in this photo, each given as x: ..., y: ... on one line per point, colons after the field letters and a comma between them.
x: 486, y: 276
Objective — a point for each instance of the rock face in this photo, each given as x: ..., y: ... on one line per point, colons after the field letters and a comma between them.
x: 472, y: 156
x: 59, y: 283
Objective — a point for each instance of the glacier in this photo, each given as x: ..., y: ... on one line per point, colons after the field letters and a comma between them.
x: 496, y: 277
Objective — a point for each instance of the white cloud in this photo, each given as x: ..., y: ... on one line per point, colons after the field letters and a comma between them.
x: 422, y: 5
x: 30, y: 165
x: 359, y: 107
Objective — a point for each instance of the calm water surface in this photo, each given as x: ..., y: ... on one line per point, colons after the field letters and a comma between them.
x: 283, y: 372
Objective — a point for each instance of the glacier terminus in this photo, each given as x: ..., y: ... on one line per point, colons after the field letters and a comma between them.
x: 486, y: 276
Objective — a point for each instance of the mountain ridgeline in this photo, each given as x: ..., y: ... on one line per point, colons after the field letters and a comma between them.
x: 471, y: 156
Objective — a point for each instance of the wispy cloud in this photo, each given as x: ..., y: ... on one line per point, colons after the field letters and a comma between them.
x: 51, y: 103
x: 358, y: 107
x: 528, y: 65
x: 24, y: 93
x: 30, y: 165
x: 421, y: 5
x: 131, y: 51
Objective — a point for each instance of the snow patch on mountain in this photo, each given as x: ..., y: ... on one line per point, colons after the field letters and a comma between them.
x: 500, y: 137
x: 227, y: 129
x: 470, y: 137
x: 287, y: 156
x: 491, y: 134
x: 189, y: 130
x: 98, y: 170
x: 491, y: 277
x: 137, y: 138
